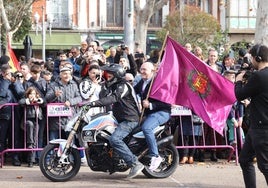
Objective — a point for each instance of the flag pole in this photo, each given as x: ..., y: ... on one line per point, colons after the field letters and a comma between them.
x: 157, y: 65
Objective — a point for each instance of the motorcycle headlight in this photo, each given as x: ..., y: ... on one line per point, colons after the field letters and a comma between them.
x: 89, y: 135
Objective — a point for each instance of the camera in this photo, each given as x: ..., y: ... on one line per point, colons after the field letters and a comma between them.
x: 246, y: 64
x: 85, y: 56
x: 139, y: 55
x: 123, y: 46
x: 97, y: 57
x: 18, y: 76
x: 97, y: 76
x: 247, y: 67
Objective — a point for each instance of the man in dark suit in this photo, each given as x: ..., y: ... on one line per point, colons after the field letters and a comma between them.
x: 156, y: 112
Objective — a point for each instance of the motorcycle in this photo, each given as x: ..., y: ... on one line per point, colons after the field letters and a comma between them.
x: 60, y: 160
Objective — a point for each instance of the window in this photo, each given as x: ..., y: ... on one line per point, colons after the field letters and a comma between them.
x: 156, y: 19
x: 242, y: 14
x: 115, y: 13
x: 197, y: 3
x: 59, y: 11
x: 193, y: 2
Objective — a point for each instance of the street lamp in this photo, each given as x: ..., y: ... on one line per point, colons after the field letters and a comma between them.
x: 50, y: 21
x: 36, y: 18
x: 0, y: 37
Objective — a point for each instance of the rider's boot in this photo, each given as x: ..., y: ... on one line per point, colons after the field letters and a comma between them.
x: 135, y: 169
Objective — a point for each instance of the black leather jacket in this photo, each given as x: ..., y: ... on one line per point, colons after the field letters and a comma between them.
x: 123, y: 100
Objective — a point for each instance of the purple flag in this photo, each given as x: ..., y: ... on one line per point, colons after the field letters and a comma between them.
x: 185, y: 80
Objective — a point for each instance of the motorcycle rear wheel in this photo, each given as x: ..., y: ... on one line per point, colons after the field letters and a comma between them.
x: 170, y: 158
x: 53, y: 170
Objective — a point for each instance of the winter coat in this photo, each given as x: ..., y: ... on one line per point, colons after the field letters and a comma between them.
x: 6, y: 96
x: 33, y: 109
x: 70, y: 93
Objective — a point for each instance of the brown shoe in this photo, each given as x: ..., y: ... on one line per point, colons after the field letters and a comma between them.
x: 191, y: 160
x: 184, y: 160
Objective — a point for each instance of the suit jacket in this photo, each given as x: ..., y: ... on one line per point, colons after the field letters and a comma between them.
x: 156, y: 104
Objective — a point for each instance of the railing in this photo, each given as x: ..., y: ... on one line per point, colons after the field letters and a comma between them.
x: 58, y: 110
x: 19, y: 127
x: 204, y: 143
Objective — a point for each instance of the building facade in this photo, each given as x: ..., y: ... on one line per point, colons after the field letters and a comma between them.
x: 68, y: 22
x: 73, y: 21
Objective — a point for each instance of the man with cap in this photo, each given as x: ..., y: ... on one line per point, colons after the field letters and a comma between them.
x: 63, y: 90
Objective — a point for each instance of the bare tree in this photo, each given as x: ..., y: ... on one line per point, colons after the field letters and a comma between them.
x: 261, y: 32
x: 143, y: 16
x: 4, y: 16
x: 12, y: 14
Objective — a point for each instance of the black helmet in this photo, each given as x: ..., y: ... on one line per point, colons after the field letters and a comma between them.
x: 117, y: 70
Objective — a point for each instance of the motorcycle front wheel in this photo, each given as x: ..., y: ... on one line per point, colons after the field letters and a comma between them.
x: 55, y: 171
x: 170, y: 158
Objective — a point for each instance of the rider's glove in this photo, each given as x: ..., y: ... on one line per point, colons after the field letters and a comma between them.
x: 86, y: 108
x: 91, y: 104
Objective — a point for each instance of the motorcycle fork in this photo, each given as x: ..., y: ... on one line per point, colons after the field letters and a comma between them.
x: 69, y: 142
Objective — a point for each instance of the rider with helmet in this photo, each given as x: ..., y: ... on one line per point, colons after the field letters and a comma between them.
x: 121, y: 95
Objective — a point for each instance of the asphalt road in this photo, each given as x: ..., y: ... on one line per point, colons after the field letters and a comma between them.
x: 199, y: 175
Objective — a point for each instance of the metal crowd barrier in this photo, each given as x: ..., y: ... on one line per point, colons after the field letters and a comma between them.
x: 178, y: 112
x: 58, y: 110
x: 52, y: 110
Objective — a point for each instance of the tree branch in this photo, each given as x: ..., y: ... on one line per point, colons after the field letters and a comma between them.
x: 4, y: 16
x: 21, y: 9
x: 160, y: 5
x: 137, y: 5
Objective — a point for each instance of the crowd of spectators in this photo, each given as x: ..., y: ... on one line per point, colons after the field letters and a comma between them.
x: 75, y: 76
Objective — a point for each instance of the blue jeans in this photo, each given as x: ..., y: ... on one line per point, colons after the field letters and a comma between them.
x: 150, y: 123
x: 116, y: 140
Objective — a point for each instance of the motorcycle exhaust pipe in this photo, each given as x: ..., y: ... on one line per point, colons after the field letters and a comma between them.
x: 165, y: 141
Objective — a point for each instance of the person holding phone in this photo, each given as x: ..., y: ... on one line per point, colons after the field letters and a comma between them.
x: 34, y: 115
x: 90, y: 87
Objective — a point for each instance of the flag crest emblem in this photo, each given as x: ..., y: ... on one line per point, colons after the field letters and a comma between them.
x: 199, y: 83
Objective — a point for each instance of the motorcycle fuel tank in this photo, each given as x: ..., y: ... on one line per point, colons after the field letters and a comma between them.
x: 101, y: 122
